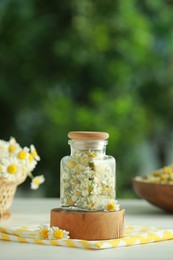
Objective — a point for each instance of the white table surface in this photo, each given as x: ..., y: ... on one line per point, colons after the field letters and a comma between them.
x: 37, y: 211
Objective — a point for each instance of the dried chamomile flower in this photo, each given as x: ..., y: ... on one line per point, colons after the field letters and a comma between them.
x: 160, y: 176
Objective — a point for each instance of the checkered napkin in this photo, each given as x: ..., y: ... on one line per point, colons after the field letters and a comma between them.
x: 134, y: 235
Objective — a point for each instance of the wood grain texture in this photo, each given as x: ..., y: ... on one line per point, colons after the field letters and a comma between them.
x: 97, y: 225
x: 160, y: 195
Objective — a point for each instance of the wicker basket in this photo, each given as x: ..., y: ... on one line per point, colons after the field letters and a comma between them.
x: 7, y: 191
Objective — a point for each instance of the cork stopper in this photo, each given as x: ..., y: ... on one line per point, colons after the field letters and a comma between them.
x: 86, y: 135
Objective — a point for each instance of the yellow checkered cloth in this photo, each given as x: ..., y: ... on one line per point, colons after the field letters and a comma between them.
x: 134, y: 235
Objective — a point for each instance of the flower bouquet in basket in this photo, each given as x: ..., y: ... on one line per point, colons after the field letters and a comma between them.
x: 16, y: 164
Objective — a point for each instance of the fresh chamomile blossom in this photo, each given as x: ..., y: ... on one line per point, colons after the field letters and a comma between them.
x: 42, y: 231
x: 11, y: 169
x: 3, y: 149
x: 34, y: 153
x: 17, y: 162
x: 13, y: 146
x: 30, y: 162
x: 23, y: 154
x: 36, y: 181
x: 113, y: 206
x: 57, y: 233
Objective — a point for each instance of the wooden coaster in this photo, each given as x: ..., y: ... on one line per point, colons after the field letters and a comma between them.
x: 96, y: 225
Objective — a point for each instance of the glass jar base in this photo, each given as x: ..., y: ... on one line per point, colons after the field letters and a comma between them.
x: 76, y: 208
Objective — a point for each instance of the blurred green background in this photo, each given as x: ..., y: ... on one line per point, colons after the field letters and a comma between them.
x: 88, y: 65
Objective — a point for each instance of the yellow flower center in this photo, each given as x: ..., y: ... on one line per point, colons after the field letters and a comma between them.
x: 12, y: 169
x: 11, y: 148
x: 31, y: 157
x: 71, y: 164
x: 37, y: 181
x: 78, y: 193
x: 44, y: 233
x: 58, y: 234
x: 91, y: 155
x: 167, y: 170
x: 78, y: 169
x: 70, y: 202
x: 89, y: 188
x: 34, y: 153
x: 91, y: 206
x: 22, y: 155
x: 110, y: 206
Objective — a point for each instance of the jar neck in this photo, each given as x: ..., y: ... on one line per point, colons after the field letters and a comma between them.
x: 98, y: 146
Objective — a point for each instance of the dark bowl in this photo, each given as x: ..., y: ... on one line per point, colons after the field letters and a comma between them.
x: 160, y: 195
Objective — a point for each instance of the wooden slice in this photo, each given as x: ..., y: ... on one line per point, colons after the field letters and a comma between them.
x: 86, y: 135
x: 97, y: 225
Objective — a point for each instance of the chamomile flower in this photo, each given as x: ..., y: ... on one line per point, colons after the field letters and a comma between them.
x: 113, y: 206
x: 17, y: 162
x: 11, y: 169
x: 13, y: 146
x: 3, y: 149
x: 23, y: 153
x: 36, y: 181
x: 42, y: 231
x: 34, y: 153
x: 57, y: 233
x: 30, y: 162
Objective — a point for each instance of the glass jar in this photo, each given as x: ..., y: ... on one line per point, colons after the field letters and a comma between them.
x: 88, y: 174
